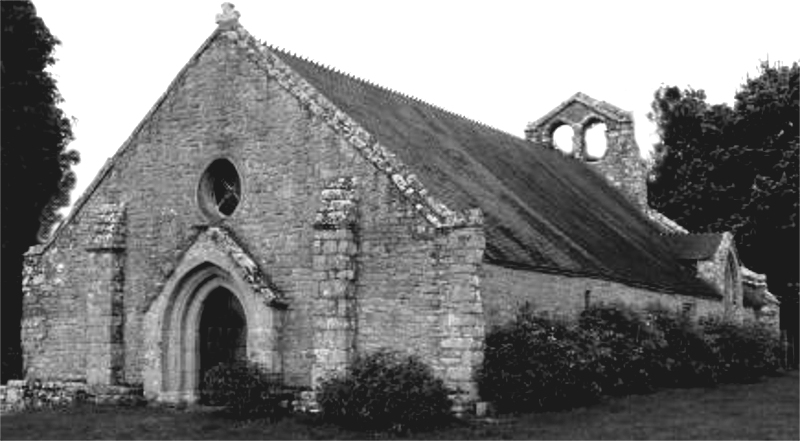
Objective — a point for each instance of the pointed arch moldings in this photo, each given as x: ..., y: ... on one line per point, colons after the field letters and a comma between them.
x: 171, y: 316
x: 217, y: 244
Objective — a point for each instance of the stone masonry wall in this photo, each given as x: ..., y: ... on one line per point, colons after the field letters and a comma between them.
x: 462, y: 323
x: 622, y: 165
x: 723, y: 271
x: 72, y: 320
x: 418, y: 290
x: 505, y: 289
x: 19, y: 395
x: 52, y: 322
x: 333, y: 317
x: 221, y: 106
x: 765, y: 306
x: 403, y: 285
x: 105, y: 351
x: 398, y: 297
x: 54, y: 314
x: 224, y: 105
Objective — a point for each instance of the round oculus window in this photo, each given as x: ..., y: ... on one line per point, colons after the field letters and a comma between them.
x: 220, y: 189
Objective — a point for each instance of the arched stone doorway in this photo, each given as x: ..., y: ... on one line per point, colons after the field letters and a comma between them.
x: 188, y: 320
x: 210, y: 317
x: 215, y: 298
x: 222, y: 332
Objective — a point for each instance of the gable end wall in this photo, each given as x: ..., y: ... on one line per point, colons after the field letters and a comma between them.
x: 225, y: 106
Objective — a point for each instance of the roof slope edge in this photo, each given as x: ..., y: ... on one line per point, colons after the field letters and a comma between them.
x: 433, y: 210
x: 109, y: 164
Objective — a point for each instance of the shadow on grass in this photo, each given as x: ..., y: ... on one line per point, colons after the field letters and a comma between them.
x: 765, y: 410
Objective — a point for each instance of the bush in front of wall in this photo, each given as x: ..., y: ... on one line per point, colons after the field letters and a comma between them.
x: 744, y: 351
x: 542, y: 362
x: 687, y: 358
x: 539, y: 362
x: 244, y: 389
x: 629, y: 347
x: 386, y: 390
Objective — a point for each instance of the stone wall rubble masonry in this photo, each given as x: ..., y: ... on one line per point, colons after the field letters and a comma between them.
x: 506, y: 289
x: 239, y: 108
x: 72, y: 314
x: 764, y: 303
x: 330, y: 222
x: 622, y: 165
x: 334, y: 316
x: 724, y: 264
x: 20, y: 395
x: 104, y: 303
x: 462, y: 322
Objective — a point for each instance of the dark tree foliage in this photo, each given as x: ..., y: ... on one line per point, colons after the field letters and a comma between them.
x: 736, y: 169
x: 36, y: 175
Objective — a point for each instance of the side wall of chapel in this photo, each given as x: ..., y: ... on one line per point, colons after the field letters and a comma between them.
x: 506, y: 289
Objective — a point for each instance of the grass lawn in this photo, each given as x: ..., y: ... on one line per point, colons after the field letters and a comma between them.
x: 767, y: 410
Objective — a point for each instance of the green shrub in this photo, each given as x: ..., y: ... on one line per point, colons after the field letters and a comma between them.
x: 244, y: 389
x: 538, y: 362
x: 386, y: 391
x: 686, y: 359
x: 744, y: 352
x: 629, y: 347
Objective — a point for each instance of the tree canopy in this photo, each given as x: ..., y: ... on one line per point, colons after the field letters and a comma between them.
x: 722, y: 168
x: 36, y: 166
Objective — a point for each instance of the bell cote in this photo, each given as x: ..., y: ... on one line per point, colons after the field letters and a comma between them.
x: 621, y: 163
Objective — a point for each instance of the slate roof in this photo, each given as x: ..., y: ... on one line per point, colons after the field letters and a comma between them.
x: 543, y: 210
x: 699, y: 246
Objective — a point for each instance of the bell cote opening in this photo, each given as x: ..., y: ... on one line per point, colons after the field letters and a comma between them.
x: 599, y: 134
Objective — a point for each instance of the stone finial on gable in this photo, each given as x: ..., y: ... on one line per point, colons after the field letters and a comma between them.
x: 229, y: 15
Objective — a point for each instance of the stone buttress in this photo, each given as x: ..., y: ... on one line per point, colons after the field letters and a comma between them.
x: 335, y: 246
x: 460, y: 252
x: 104, y: 300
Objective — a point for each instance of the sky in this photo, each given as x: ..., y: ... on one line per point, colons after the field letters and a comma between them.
x: 504, y: 63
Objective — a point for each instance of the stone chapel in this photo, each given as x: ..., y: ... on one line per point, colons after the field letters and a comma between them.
x: 268, y: 208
